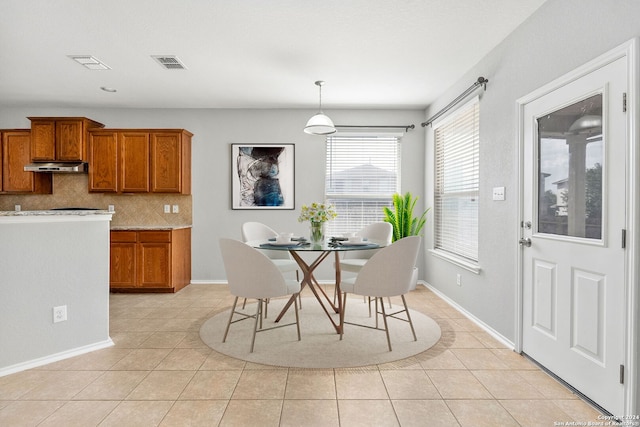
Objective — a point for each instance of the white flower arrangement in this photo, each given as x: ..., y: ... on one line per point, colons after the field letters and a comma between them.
x: 317, y: 212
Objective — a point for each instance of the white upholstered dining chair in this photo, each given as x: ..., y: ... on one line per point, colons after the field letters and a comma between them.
x: 251, y: 274
x: 388, y: 273
x: 259, y: 231
x: 253, y: 230
x: 377, y: 232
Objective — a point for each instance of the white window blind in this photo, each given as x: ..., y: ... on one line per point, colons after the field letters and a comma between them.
x: 457, y: 141
x: 363, y: 173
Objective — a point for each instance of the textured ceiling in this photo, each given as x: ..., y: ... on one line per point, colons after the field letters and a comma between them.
x: 246, y: 53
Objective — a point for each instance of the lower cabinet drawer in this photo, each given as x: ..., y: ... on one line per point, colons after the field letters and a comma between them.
x: 124, y: 236
x: 163, y: 236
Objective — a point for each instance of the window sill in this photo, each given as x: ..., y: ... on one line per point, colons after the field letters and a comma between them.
x: 467, y: 265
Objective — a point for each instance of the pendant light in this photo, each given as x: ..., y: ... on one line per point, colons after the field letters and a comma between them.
x: 320, y: 124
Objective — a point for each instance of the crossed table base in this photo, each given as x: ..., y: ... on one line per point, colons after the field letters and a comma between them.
x: 310, y: 281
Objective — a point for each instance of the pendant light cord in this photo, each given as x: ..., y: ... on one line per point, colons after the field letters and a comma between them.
x: 319, y: 83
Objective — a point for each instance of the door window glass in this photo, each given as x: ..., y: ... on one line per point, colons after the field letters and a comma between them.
x: 570, y: 162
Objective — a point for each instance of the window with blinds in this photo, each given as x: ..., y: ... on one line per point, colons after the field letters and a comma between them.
x: 363, y: 173
x: 457, y: 142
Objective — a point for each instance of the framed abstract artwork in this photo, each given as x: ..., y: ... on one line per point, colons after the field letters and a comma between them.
x: 262, y: 176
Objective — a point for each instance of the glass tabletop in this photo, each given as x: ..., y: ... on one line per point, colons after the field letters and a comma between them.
x: 305, y: 246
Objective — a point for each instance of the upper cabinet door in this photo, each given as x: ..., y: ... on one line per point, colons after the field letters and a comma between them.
x: 15, y: 147
x: 168, y: 151
x: 134, y: 168
x: 70, y: 140
x: 103, y: 161
x: 43, y: 139
x: 16, y: 153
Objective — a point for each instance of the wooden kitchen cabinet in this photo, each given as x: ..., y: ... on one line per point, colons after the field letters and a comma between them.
x: 60, y: 138
x: 103, y: 161
x: 150, y: 260
x: 123, y: 259
x: 15, y: 153
x: 171, y: 162
x: 134, y: 162
x: 118, y: 161
x: 140, y: 161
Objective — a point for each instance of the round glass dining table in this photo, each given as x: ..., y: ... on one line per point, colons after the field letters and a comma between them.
x: 328, y: 247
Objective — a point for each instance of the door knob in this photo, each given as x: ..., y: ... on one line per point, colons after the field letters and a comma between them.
x: 525, y: 242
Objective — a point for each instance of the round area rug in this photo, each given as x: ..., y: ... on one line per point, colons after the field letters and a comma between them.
x: 320, y: 345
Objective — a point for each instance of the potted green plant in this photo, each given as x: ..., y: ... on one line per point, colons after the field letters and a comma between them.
x: 401, y: 217
x: 403, y: 222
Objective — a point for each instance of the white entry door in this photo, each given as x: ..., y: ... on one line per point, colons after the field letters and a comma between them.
x: 574, y: 139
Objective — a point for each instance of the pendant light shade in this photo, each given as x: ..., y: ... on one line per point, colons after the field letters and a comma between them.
x: 320, y: 124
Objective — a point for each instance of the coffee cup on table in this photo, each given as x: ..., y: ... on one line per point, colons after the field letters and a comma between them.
x: 284, y: 238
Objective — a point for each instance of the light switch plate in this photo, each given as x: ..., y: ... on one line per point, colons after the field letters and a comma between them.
x: 176, y: 209
x: 498, y: 193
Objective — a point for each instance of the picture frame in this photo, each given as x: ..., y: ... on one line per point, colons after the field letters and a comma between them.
x: 262, y: 176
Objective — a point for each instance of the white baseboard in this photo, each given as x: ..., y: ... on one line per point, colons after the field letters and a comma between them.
x: 23, y: 366
x: 208, y: 282
x: 488, y: 329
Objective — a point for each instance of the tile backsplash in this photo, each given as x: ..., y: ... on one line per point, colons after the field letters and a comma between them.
x: 71, y: 190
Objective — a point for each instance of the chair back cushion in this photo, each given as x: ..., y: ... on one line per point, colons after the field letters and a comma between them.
x: 259, y: 231
x: 390, y: 271
x: 250, y: 273
x: 376, y: 232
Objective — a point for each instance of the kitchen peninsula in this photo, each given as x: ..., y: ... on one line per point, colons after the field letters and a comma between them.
x: 54, y: 279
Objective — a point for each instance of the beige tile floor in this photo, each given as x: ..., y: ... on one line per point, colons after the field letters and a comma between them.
x: 160, y: 373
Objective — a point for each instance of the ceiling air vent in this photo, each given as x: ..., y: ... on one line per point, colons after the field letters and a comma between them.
x: 169, y: 62
x: 89, y: 62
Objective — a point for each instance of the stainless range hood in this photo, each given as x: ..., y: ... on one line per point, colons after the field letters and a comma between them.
x: 59, y: 167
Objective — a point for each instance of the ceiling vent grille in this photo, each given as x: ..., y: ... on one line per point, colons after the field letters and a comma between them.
x: 89, y: 62
x: 169, y: 62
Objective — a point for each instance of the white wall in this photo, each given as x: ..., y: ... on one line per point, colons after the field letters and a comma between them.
x: 560, y: 36
x: 46, y: 262
x: 214, y: 130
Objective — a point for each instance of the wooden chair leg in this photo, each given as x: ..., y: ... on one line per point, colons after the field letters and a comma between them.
x: 386, y: 327
x: 381, y: 302
x: 413, y: 331
x: 255, y: 325
x: 233, y: 309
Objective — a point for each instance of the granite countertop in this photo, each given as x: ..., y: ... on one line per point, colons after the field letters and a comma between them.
x: 35, y: 213
x: 55, y: 213
x: 148, y: 227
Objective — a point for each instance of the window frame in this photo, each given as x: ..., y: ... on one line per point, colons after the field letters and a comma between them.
x: 336, y: 227
x: 457, y: 258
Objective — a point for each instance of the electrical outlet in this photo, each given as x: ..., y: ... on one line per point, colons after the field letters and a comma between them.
x: 111, y: 208
x: 498, y: 193
x: 458, y: 280
x: 167, y: 208
x: 59, y: 313
x: 18, y: 208
x: 176, y: 209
